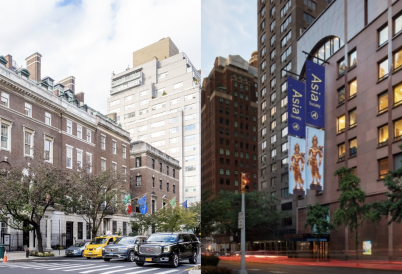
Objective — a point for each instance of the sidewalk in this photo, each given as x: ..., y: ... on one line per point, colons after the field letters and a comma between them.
x: 381, y: 265
x: 19, y: 256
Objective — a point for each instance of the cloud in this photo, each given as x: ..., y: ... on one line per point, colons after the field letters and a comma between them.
x: 91, y: 39
x: 228, y: 27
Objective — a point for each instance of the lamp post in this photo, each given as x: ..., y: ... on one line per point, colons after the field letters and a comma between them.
x: 242, y: 216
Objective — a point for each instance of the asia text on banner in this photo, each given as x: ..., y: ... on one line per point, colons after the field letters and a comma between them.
x: 315, y: 89
x: 296, y: 108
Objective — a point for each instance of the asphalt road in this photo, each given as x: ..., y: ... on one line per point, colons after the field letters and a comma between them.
x: 94, y: 266
x: 254, y: 268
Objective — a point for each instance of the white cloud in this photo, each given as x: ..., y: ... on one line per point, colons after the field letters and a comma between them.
x: 90, y: 39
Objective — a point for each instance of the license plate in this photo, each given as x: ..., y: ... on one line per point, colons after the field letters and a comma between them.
x: 110, y: 253
x: 89, y: 253
x: 148, y: 259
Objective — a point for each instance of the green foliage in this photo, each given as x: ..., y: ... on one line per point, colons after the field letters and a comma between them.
x: 215, y: 270
x: 317, y: 219
x: 142, y: 223
x: 170, y: 219
x: 164, y: 93
x: 196, y: 227
x: 209, y: 260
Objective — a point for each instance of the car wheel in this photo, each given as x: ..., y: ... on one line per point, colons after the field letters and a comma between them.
x: 175, y: 260
x: 131, y: 256
x: 106, y: 259
x: 88, y: 258
x: 82, y: 253
x: 140, y: 264
x: 193, y: 259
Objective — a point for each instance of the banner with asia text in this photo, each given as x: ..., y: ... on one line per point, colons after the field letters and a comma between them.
x: 315, y: 91
x: 296, y: 108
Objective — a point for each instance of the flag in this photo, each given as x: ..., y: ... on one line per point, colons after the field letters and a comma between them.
x: 129, y: 209
x: 127, y: 199
x: 143, y: 204
x: 173, y: 202
x: 185, y: 204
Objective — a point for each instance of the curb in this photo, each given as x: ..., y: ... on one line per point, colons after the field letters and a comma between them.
x: 30, y: 260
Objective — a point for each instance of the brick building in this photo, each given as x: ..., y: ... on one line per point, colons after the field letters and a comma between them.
x: 229, y: 124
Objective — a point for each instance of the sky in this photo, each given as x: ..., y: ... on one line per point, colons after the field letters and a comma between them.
x: 227, y: 27
x: 90, y: 39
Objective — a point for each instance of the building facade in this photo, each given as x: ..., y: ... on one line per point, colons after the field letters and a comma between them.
x: 229, y: 125
x: 280, y: 23
x: 159, y: 102
x: 361, y: 43
x: 37, y: 113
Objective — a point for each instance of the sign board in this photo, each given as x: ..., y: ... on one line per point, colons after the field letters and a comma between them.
x: 297, y: 165
x: 240, y: 220
x: 366, y: 247
x: 315, y: 90
x: 315, y: 158
x: 296, y: 108
x: 6, y: 239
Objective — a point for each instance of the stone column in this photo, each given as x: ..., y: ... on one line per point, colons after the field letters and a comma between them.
x: 49, y: 236
x: 31, y: 241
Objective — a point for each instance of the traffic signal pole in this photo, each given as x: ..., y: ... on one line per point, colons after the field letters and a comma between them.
x: 243, y: 238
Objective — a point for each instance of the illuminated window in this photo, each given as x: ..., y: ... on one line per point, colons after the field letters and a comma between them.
x: 352, y: 118
x: 352, y: 88
x: 341, y: 152
x: 353, y: 147
x: 398, y: 95
x: 383, y: 69
x: 383, y: 36
x: 383, y: 135
x: 273, y: 110
x: 383, y: 102
x: 341, y: 124
x: 398, y: 129
x: 383, y: 167
x: 398, y: 59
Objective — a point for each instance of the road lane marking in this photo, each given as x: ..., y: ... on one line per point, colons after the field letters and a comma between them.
x: 141, y: 271
x: 89, y: 271
x: 74, y: 266
x: 169, y: 271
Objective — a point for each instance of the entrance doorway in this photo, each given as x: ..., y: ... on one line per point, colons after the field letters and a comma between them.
x: 69, y: 234
x: 320, y: 250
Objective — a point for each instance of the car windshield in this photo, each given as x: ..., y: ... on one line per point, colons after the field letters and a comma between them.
x: 125, y: 241
x: 162, y: 238
x: 78, y: 244
x: 99, y: 241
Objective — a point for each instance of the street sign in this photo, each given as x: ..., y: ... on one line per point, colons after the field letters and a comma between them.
x: 240, y: 218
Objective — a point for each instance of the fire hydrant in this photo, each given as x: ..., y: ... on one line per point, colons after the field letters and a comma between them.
x: 27, y: 252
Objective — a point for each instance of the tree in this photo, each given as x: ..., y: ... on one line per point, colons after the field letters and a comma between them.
x: 170, y: 219
x: 353, y: 210
x: 317, y: 219
x: 98, y: 195
x: 26, y: 193
x: 196, y: 209
x: 142, y: 223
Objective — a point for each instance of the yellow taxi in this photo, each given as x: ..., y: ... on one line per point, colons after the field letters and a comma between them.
x: 94, y: 249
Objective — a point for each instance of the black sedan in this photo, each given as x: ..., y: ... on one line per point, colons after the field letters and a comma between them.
x: 122, y: 248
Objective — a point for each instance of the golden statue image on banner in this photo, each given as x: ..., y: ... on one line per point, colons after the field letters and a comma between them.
x: 296, y: 165
x: 315, y: 167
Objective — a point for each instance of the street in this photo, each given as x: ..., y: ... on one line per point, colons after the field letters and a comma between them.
x: 254, y: 268
x: 93, y: 266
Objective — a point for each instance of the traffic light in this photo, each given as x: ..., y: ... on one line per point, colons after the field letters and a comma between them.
x: 244, y: 182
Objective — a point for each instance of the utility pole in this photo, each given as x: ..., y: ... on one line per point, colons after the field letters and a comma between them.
x: 244, y: 187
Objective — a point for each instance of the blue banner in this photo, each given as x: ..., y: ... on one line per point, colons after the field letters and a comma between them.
x: 315, y: 86
x: 185, y: 204
x: 315, y: 158
x: 297, y: 165
x: 296, y: 108
x: 143, y: 204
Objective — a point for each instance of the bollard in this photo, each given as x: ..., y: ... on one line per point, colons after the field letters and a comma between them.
x: 27, y: 253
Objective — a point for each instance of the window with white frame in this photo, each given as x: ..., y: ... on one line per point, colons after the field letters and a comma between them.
x: 103, y: 142
x: 5, y: 99
x: 189, y: 117
x: 173, y: 140
x: 273, y: 152
x: 157, y: 134
x: 89, y: 136
x: 143, y: 93
x: 141, y: 137
x: 143, y: 111
x: 79, y: 131
x: 113, y: 103
x: 48, y: 118
x: 79, y: 159
x: 124, y: 151
x: 284, y: 102
x: 174, y: 120
x: 144, y: 102
x: 103, y: 164
x: 158, y: 124
x: 189, y: 107
x: 131, y: 106
x: 189, y: 96
x: 69, y: 127
x: 284, y: 147
x: 124, y: 172
x: 173, y: 130
x: 178, y: 85
x: 114, y: 146
x: 114, y: 167
x: 89, y: 162
x: 158, y: 143
x: 173, y: 150
x: 28, y: 141
x: 69, y: 157
x: 5, y: 135
x: 141, y: 128
x: 285, y: 132
x: 158, y: 106
x: 174, y: 101
x: 189, y: 138
x: 48, y: 149
x: 128, y: 98
x: 162, y: 75
x: 28, y: 110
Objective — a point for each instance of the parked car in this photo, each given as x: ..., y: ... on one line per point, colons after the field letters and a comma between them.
x: 76, y: 249
x: 123, y: 248
x: 168, y: 248
x: 94, y: 249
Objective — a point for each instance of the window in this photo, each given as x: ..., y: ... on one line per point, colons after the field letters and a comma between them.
x: 284, y: 102
x: 273, y: 67
x: 272, y: 26
x: 398, y: 24
x: 5, y: 99
x: 341, y: 152
x: 341, y: 95
x: 311, y: 4
x: 173, y: 140
x: 28, y: 143
x: 286, y: 38
x: 284, y: 147
x: 79, y: 159
x: 114, y: 147
x: 273, y: 39
x: 103, y: 164
x: 5, y: 135
x: 285, y: 132
x: 284, y: 117
x: 79, y: 131
x: 189, y: 127
x: 273, y: 138
x: 128, y: 98
x: 48, y: 118
x: 341, y: 123
x: 153, y: 163
x: 273, y: 53
x: 160, y: 167
x: 383, y: 69
x: 273, y: 153
x: 174, y: 176
x: 383, y: 135
x: 383, y: 102
x: 263, y: 37
x: 352, y: 59
x: 341, y: 67
x: 28, y: 110
x: 69, y: 160
x: 353, y: 147
x: 69, y: 127
x: 352, y: 118
x: 189, y: 117
x: 143, y: 111
x: 138, y: 180
x: 382, y: 36
x: 398, y: 129
x: 123, y: 148
x: 284, y: 163
x: 286, y: 54
x: 141, y: 128
x: 285, y: 192
x: 398, y: 59
x: 263, y: 78
x: 308, y: 18
x: 273, y: 110
x: 383, y: 167
x: 178, y: 85
x: 273, y: 81
x: 89, y: 162
x: 285, y: 8
x: 103, y: 142
x: 273, y: 124
x: 286, y: 23
x: 286, y: 68
x: 398, y: 95
x: 263, y: 51
x: 273, y: 10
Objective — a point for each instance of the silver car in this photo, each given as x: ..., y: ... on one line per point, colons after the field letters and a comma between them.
x: 122, y: 248
x: 76, y: 249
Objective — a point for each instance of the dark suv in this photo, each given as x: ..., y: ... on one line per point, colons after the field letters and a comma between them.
x: 168, y: 248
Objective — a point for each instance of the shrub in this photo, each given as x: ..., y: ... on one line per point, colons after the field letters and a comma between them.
x: 208, y: 269
x: 51, y: 254
x: 40, y: 254
x: 209, y: 260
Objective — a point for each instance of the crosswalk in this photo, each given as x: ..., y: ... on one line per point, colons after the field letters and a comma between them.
x: 84, y: 268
